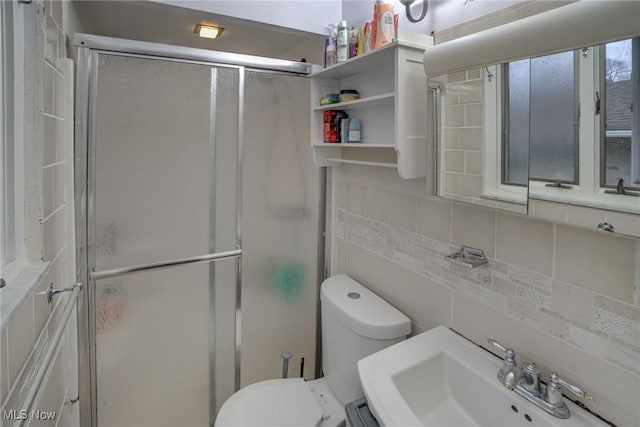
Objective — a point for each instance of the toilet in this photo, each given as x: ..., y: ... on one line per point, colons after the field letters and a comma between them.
x: 355, y: 323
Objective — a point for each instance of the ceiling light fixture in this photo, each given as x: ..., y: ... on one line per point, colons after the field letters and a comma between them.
x: 208, y: 31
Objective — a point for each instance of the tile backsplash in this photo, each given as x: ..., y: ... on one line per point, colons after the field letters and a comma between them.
x: 559, y: 295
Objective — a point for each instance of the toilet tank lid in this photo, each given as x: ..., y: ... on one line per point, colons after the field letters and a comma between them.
x: 361, y: 310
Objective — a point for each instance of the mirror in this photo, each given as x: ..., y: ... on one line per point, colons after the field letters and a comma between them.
x: 567, y: 80
x: 584, y: 148
x: 469, y: 158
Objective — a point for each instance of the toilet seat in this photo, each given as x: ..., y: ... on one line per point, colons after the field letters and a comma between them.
x: 280, y: 402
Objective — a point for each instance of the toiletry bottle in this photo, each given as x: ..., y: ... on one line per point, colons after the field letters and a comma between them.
x: 361, y: 38
x: 353, y: 44
x: 339, y: 121
x: 385, y: 31
x: 332, y: 58
x: 326, y: 48
x: 373, y: 27
x: 354, y: 130
x: 330, y: 50
x: 343, y: 41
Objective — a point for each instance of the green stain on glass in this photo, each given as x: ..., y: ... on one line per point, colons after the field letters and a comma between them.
x: 288, y: 280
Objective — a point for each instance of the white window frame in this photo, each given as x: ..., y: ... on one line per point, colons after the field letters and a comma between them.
x: 493, y: 188
x: 13, y: 183
x: 588, y: 193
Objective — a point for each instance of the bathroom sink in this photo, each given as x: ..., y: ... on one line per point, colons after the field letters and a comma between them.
x: 438, y: 378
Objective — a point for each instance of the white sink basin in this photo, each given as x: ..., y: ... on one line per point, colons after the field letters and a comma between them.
x: 438, y: 378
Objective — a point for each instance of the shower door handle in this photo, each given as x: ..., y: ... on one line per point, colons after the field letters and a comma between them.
x: 132, y: 269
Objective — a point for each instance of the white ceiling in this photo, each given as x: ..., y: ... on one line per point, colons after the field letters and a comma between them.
x: 159, y: 23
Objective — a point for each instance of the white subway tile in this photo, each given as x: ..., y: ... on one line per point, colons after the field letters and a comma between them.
x: 355, y: 199
x: 473, y: 162
x: 454, y: 161
x: 402, y: 211
x: 4, y: 365
x: 20, y: 337
x: 525, y: 242
x: 473, y: 115
x: 455, y: 115
x: 597, y: 261
x: 375, y: 204
x: 474, y: 227
x: 572, y: 303
x: 434, y: 219
x: 471, y: 138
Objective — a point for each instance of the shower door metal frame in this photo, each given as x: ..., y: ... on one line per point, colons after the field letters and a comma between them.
x: 89, y: 47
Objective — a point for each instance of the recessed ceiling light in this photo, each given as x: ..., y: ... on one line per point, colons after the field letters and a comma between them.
x: 208, y: 31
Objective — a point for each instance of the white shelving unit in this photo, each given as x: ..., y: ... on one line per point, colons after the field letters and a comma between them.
x: 392, y: 107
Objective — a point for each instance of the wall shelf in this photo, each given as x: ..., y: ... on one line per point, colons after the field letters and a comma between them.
x: 371, y: 101
x: 364, y: 163
x: 391, y: 109
x: 356, y: 145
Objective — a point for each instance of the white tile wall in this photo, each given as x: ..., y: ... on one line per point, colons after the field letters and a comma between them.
x: 559, y: 295
x: 26, y: 335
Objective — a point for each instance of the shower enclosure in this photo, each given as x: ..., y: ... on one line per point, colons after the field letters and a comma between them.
x: 198, y: 209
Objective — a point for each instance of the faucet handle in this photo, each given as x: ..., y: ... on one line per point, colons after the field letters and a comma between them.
x: 508, y: 374
x: 555, y: 382
x: 511, y: 355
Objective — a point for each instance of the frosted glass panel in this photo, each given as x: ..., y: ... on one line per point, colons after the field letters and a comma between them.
x: 516, y: 150
x: 280, y: 228
x: 553, y: 123
x: 152, y: 348
x: 164, y: 168
x: 153, y: 126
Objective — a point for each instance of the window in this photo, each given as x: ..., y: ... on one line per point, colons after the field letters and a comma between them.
x: 619, y: 130
x: 540, y: 120
x: 12, y: 85
x: 559, y: 115
x: 7, y: 190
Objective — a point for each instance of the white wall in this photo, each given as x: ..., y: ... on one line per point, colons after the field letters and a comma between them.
x: 48, y: 164
x: 305, y: 15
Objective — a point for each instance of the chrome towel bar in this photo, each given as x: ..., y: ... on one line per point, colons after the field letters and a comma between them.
x: 105, y: 274
x: 52, y: 351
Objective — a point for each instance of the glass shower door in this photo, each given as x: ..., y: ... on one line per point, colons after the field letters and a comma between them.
x: 162, y: 180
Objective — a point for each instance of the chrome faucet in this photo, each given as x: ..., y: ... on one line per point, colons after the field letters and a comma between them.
x: 508, y: 375
x: 526, y: 383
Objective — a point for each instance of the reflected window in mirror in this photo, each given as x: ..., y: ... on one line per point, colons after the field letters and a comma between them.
x: 539, y: 109
x: 558, y: 117
x: 620, y: 63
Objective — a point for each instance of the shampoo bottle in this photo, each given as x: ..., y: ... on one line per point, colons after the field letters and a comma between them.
x: 385, y: 31
x: 343, y: 41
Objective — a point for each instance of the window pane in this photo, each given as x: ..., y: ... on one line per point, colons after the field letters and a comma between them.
x: 620, y: 71
x: 552, y: 129
x: 516, y: 147
x: 540, y: 120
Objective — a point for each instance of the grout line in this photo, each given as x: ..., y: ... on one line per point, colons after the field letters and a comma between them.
x: 51, y: 165
x: 53, y: 116
x: 46, y: 61
x: 553, y: 255
x: 48, y: 217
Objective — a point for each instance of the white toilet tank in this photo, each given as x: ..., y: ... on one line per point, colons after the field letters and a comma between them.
x: 355, y: 323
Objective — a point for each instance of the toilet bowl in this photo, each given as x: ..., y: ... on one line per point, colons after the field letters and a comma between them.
x: 355, y: 323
